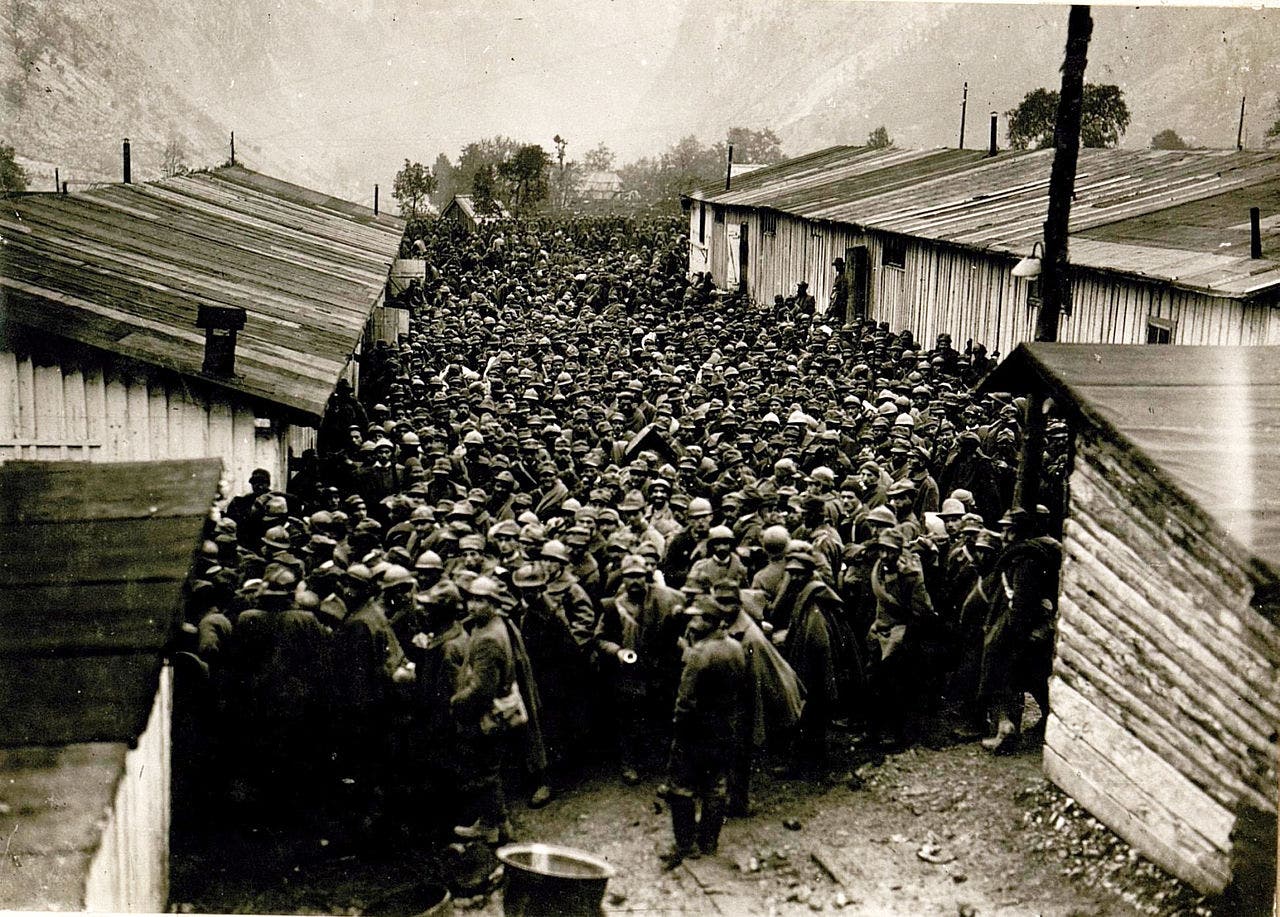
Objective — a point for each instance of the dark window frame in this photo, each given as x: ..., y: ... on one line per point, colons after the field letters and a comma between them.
x: 1160, y: 330
x: 893, y: 253
x: 768, y: 223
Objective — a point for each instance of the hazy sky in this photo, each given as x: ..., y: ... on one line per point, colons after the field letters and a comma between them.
x: 426, y: 77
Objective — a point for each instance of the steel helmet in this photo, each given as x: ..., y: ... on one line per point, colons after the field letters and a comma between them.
x: 556, y: 550
x: 395, y: 576
x: 277, y: 537
x: 483, y: 587
x: 429, y: 560
x: 720, y: 533
x: 699, y: 506
x: 279, y: 580
x: 774, y: 539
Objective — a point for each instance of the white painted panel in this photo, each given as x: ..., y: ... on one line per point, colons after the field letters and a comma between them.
x: 9, y: 407
x: 130, y: 870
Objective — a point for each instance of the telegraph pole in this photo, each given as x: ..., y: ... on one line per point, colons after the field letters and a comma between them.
x: 1054, y: 278
x: 561, y: 143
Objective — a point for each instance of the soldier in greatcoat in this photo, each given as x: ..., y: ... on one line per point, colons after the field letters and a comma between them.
x: 705, y: 733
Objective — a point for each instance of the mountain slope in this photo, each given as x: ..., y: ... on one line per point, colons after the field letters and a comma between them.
x: 860, y: 65
x: 336, y: 93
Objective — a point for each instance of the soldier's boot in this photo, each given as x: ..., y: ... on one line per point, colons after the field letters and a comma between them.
x: 709, y: 825
x: 1005, y: 740
x: 684, y: 828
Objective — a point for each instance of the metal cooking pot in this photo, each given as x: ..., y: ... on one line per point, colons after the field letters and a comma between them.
x: 546, y: 880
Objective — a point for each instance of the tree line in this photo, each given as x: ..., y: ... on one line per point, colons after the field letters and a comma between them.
x: 499, y: 172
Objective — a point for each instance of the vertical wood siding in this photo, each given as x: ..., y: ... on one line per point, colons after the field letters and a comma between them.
x: 87, y: 407
x: 973, y: 295
x: 1166, y: 689
x: 130, y: 870
x: 387, y: 324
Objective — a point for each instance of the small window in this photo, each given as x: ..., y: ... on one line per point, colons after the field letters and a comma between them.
x: 768, y: 223
x: 702, y: 224
x: 719, y: 216
x: 1160, y: 330
x: 894, y: 253
x: 1035, y: 293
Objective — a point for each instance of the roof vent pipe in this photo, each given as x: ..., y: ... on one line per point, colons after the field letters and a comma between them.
x: 1255, y: 233
x: 220, y: 324
x: 993, y: 149
x: 128, y: 168
x: 728, y: 169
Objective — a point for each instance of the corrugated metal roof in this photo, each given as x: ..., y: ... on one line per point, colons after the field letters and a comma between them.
x: 92, y: 561
x: 1207, y: 418
x: 124, y: 268
x: 805, y: 185
x: 999, y: 204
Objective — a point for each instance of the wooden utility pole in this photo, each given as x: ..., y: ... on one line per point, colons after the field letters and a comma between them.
x: 1240, y: 129
x: 1054, y: 278
x: 964, y: 110
x: 561, y: 143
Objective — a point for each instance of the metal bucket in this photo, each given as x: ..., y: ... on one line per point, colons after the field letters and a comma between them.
x: 417, y: 899
x: 546, y: 880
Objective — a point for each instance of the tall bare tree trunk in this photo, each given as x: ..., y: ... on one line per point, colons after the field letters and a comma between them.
x: 1054, y: 279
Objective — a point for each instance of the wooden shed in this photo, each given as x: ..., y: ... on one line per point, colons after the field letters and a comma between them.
x: 1165, y: 699
x: 106, y: 303
x: 462, y: 210
x: 1160, y: 242
x: 92, y: 561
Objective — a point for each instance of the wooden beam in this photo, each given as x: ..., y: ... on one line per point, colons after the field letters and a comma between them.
x: 1055, y: 277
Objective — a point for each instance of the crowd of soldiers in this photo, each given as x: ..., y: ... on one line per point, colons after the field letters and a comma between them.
x: 589, y: 509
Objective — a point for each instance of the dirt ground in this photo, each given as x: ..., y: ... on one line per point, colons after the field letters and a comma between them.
x: 856, y: 851
x: 951, y: 831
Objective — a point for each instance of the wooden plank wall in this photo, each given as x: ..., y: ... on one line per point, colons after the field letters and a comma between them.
x: 403, y: 270
x: 796, y: 250
x: 1165, y: 697
x: 972, y: 295
x: 387, y: 324
x: 716, y: 243
x: 130, y: 871
x: 89, y: 407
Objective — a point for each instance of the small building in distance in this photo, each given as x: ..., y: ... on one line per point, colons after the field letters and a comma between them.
x: 1165, y: 695
x: 598, y: 186
x: 462, y: 211
x: 1159, y: 250
x: 92, y: 562
x: 208, y: 314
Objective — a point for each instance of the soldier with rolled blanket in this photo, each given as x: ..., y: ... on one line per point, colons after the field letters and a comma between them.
x: 813, y: 635
x: 773, y: 702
